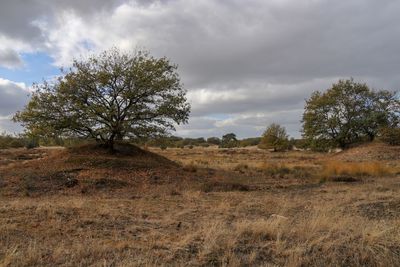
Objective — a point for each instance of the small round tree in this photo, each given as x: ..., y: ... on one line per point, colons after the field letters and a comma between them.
x: 275, y: 138
x: 107, y: 97
x: 229, y: 140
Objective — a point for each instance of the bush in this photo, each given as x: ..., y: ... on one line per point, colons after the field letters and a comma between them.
x: 250, y: 142
x: 214, y: 141
x: 163, y: 147
x: 10, y: 141
x: 32, y: 143
x: 229, y: 141
x: 16, y: 143
x: 391, y: 136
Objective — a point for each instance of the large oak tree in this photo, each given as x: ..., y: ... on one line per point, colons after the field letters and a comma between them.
x: 347, y: 113
x: 108, y: 97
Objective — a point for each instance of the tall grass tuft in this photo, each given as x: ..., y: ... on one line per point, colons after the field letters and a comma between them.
x: 333, y: 168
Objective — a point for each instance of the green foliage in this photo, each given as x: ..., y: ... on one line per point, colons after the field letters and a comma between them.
x: 31, y: 142
x: 163, y: 147
x: 214, y: 141
x: 298, y: 143
x: 174, y: 141
x: 11, y: 141
x: 108, y: 97
x: 275, y: 138
x: 391, y: 136
x: 250, y: 141
x: 347, y: 113
x: 229, y: 140
x: 51, y: 141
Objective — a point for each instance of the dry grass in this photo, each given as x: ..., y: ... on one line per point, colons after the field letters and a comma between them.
x: 268, y: 210
x: 377, y: 169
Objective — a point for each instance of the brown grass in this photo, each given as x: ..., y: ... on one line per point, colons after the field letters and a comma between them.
x: 377, y: 169
x: 261, y: 209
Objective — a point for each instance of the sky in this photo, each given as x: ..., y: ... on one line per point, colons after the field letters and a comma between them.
x: 245, y: 64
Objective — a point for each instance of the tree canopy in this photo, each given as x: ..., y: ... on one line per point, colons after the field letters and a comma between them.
x: 108, y: 97
x: 229, y: 140
x: 347, y: 113
x: 274, y: 137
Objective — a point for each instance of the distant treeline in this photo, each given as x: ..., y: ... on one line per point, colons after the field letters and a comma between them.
x: 179, y: 142
x: 27, y: 141
x: 227, y: 141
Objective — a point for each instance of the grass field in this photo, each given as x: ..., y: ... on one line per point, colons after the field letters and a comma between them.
x: 200, y: 207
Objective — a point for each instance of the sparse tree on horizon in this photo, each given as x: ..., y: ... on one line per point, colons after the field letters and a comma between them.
x: 108, y: 97
x: 274, y: 137
x: 229, y: 140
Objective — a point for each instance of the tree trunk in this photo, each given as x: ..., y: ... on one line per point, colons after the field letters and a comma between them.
x: 110, y: 144
x: 371, y: 137
x: 119, y: 137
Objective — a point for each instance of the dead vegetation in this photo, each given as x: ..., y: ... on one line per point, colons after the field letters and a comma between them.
x: 198, y: 207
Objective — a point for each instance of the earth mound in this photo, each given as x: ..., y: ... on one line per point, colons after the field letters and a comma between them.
x: 122, y: 153
x: 92, y: 169
x: 375, y: 151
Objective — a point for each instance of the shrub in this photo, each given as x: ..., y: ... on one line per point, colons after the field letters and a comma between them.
x: 229, y: 141
x: 391, y: 136
x: 163, y: 147
x: 216, y: 186
x: 241, y: 167
x: 214, y: 140
x: 250, y: 142
x: 17, y: 142
x: 284, y: 171
x: 10, y: 141
x: 32, y: 143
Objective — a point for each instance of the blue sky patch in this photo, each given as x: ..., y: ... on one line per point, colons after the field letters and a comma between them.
x: 37, y: 66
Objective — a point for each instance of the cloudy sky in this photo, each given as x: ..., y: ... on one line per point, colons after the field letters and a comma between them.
x: 245, y: 64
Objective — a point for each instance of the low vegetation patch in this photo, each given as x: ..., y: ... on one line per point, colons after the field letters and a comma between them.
x: 216, y: 186
x: 282, y: 170
x: 358, y: 169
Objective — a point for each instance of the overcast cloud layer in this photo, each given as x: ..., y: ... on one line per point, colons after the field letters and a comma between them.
x: 245, y: 64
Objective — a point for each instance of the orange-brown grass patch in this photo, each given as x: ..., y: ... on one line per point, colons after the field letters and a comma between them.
x: 377, y: 169
x: 92, y: 169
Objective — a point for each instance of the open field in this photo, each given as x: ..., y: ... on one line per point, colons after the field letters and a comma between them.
x: 200, y: 207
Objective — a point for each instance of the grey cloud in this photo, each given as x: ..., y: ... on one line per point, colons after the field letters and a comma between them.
x: 252, y: 61
x: 18, y: 17
x: 13, y: 96
x: 10, y: 127
x: 10, y: 59
x: 221, y: 41
x: 280, y: 42
x: 255, y: 96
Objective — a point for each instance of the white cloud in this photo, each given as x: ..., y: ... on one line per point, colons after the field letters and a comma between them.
x: 10, y: 50
x: 13, y: 96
